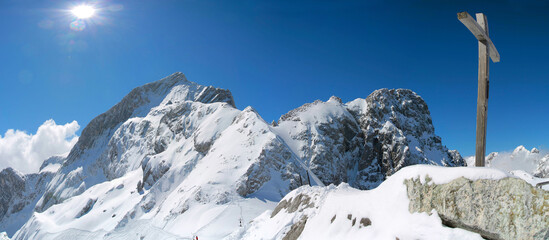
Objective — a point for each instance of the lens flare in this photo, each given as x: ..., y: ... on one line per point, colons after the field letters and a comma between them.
x: 83, y: 11
x: 78, y: 25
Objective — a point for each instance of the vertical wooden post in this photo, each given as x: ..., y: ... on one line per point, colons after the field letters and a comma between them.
x: 486, y: 48
x: 482, y: 100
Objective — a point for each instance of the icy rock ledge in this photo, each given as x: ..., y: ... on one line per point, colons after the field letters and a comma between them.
x: 507, y: 208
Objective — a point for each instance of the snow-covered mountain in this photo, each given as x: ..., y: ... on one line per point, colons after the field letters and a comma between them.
x: 175, y: 159
x: 531, y: 166
x: 533, y: 162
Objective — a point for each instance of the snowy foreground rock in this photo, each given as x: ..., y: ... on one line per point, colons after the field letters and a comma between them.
x: 408, y: 205
x: 175, y: 159
x: 508, y: 208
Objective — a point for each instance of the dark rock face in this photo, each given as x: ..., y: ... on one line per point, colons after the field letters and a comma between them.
x: 101, y: 149
x: 18, y: 196
x: 398, y: 132
x: 366, y: 140
x: 508, y: 208
x: 144, y: 97
x: 12, y: 186
x: 167, y: 127
x: 326, y: 137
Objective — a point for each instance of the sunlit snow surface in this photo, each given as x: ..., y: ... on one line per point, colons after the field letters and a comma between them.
x: 386, y: 207
x: 195, y: 157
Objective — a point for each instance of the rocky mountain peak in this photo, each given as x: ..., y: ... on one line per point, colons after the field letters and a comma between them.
x: 172, y: 147
x: 335, y: 99
x: 12, y: 183
x: 140, y: 100
x: 398, y: 131
x: 532, y: 161
x: 403, y: 107
x: 364, y: 141
x: 520, y: 149
x: 105, y: 149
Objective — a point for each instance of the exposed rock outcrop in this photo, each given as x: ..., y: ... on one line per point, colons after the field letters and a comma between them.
x: 398, y: 132
x: 366, y: 140
x: 112, y: 144
x: 507, y: 209
x: 326, y: 137
x: 12, y: 185
x: 18, y: 196
x: 186, y: 144
x: 542, y: 170
x: 139, y: 102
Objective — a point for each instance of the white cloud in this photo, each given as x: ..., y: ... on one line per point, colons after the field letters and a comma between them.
x: 26, y: 152
x: 519, y: 159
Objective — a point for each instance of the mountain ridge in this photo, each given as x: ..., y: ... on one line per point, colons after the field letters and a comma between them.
x: 173, y: 147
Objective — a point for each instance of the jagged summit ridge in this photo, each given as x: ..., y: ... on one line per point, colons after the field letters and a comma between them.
x: 365, y: 140
x: 398, y: 131
x: 141, y: 99
x: 173, y: 148
x: 533, y: 162
x: 103, y: 149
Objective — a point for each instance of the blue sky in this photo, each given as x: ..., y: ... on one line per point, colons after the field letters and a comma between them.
x: 278, y: 55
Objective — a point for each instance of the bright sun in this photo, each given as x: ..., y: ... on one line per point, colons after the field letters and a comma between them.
x: 83, y: 11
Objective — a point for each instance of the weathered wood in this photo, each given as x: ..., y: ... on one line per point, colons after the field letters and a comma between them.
x: 482, y: 100
x: 486, y: 49
x: 479, y: 33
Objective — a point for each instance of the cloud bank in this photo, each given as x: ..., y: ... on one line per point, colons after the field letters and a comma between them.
x: 26, y: 152
x: 530, y: 161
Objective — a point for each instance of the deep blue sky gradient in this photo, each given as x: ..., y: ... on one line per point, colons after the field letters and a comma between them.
x: 278, y: 55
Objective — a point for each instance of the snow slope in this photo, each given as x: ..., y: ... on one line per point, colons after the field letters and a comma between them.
x: 343, y: 212
x: 175, y: 159
x: 190, y: 156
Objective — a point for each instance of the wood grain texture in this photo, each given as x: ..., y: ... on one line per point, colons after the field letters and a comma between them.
x: 482, y: 100
x: 479, y: 32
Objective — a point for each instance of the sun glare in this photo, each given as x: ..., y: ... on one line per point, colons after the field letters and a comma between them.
x: 83, y: 11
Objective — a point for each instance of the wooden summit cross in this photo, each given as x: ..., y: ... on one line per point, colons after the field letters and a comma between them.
x: 486, y: 48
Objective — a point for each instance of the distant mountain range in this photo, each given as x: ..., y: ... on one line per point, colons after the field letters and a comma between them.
x: 533, y: 162
x: 174, y: 159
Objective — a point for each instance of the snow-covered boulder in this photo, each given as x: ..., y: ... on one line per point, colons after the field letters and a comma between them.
x: 507, y: 208
x: 344, y: 212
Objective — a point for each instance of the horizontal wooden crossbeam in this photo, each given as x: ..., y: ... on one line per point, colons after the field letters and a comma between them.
x: 479, y: 33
